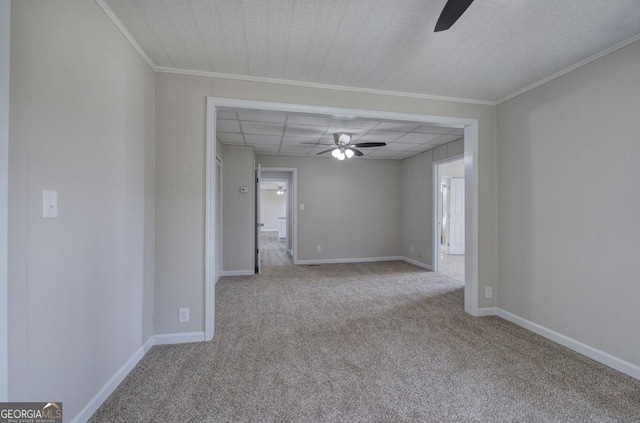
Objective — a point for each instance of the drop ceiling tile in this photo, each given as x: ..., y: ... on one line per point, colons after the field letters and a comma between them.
x: 298, y: 140
x: 262, y: 116
x: 295, y: 150
x: 223, y: 125
x: 380, y: 136
x: 443, y: 139
x: 304, y: 131
x: 263, y: 139
x: 261, y: 128
x: 317, y: 150
x: 459, y: 131
x: 396, y: 126
x: 431, y: 129
x: 315, y: 120
x: 226, y: 114
x: 229, y: 138
x: 397, y: 146
x: 352, y: 124
x: 382, y: 154
x: 417, y: 138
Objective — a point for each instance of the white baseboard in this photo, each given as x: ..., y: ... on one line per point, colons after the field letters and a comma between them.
x: 577, y: 346
x: 487, y: 311
x: 349, y: 260
x: 268, y: 230
x: 178, y: 338
x: 417, y: 263
x: 238, y: 272
x: 108, y: 388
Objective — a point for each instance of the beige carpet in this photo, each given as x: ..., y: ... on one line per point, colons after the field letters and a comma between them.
x: 382, y: 342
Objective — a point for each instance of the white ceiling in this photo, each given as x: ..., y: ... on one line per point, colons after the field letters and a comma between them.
x: 497, y: 48
x: 281, y: 133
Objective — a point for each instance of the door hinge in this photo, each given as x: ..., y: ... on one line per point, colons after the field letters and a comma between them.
x: 257, y: 251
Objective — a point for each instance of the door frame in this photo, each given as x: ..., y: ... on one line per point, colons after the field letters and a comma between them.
x: 294, y: 203
x: 471, y: 185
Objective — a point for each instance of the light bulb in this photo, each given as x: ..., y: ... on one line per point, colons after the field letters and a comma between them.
x: 341, y: 156
x: 349, y: 153
x: 336, y: 153
x: 344, y: 138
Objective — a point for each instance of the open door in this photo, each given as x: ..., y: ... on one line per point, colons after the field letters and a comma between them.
x: 456, y: 216
x: 259, y: 225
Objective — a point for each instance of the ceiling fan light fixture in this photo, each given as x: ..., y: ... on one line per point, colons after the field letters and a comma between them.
x: 349, y: 153
x: 342, y: 138
x: 336, y: 153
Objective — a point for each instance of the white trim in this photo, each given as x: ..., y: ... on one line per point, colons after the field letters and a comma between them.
x: 118, y: 23
x: 179, y: 71
x: 572, y: 68
x: 418, y: 263
x: 350, y: 260
x: 487, y: 311
x: 115, y: 380
x: 238, y: 272
x: 577, y: 346
x: 471, y: 173
x: 210, y: 225
x: 268, y: 230
x: 178, y: 338
x: 5, y: 68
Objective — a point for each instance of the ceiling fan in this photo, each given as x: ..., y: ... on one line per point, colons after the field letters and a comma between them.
x: 343, y: 147
x: 451, y: 13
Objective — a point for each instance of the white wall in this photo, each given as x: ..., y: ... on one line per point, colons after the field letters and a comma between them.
x: 180, y: 128
x: 453, y: 169
x: 272, y: 207
x: 568, y: 204
x: 238, y: 209
x: 81, y: 123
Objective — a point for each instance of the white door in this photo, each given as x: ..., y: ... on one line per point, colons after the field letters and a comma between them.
x: 456, y: 216
x: 218, y: 269
x: 259, y: 224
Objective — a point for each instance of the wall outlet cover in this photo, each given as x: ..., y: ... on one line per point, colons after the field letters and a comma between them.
x: 183, y: 315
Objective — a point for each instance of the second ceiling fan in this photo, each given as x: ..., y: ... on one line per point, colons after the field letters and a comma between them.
x: 344, y: 149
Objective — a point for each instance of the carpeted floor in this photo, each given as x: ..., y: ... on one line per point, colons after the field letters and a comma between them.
x: 452, y: 265
x: 382, y: 342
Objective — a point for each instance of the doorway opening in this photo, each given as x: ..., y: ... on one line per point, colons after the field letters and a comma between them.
x: 275, y: 217
x: 274, y: 237
x: 449, y: 188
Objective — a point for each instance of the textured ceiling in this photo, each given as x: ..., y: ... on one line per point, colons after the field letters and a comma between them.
x: 497, y: 48
x: 288, y: 134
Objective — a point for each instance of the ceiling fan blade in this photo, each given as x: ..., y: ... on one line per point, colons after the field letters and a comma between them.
x: 325, y: 151
x: 451, y: 13
x: 357, y: 152
x: 370, y: 144
x: 314, y: 143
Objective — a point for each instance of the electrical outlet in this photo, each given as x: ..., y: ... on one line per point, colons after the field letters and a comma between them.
x: 488, y: 292
x: 319, y: 249
x: 183, y: 315
x: 411, y: 248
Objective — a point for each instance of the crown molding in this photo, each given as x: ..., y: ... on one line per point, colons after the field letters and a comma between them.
x: 179, y: 71
x: 118, y: 23
x: 571, y: 68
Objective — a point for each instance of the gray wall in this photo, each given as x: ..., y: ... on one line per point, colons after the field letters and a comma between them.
x: 5, y: 44
x: 417, y: 203
x: 362, y: 197
x: 180, y: 128
x: 568, y: 205
x: 238, y: 209
x: 81, y: 123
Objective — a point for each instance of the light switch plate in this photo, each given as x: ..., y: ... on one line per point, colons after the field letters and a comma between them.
x: 49, y: 204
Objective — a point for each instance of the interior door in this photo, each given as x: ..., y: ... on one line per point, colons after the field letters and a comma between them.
x: 218, y: 269
x: 456, y: 216
x: 259, y: 224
